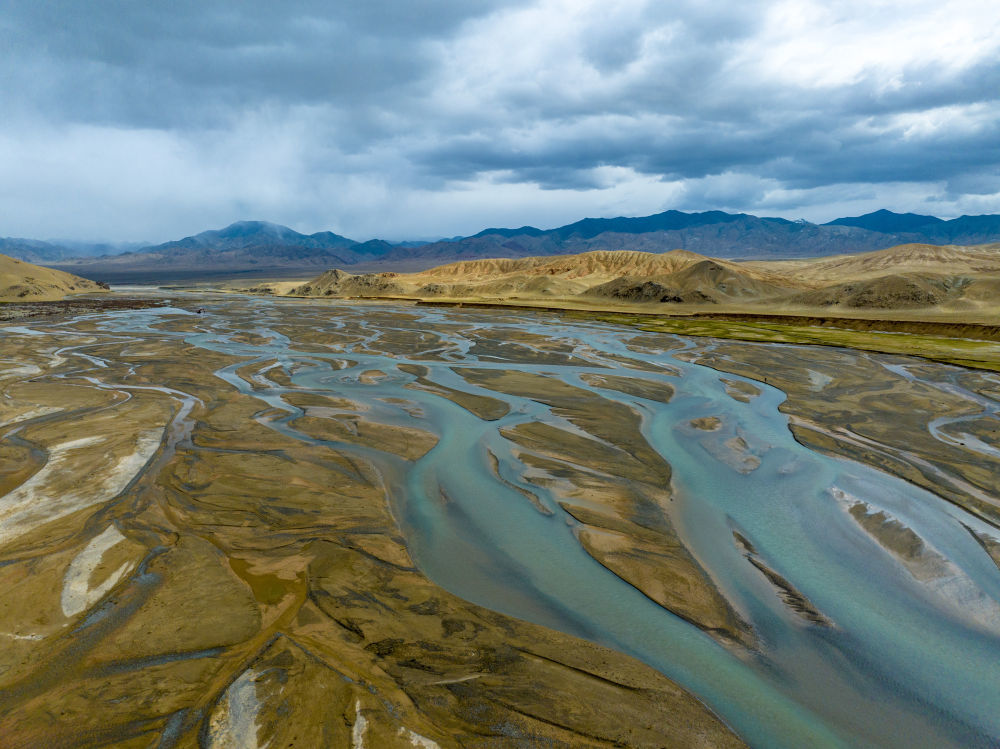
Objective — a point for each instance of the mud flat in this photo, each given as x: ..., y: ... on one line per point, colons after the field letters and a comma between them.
x: 73, y: 306
x: 284, y: 523
x: 177, y: 569
x: 706, y: 423
x: 838, y: 402
x: 617, y: 486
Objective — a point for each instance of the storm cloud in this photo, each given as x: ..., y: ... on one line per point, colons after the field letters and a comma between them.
x: 147, y: 121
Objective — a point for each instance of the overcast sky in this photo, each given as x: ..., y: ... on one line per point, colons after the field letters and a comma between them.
x: 404, y: 119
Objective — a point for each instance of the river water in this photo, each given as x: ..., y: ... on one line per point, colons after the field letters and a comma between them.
x: 908, y: 662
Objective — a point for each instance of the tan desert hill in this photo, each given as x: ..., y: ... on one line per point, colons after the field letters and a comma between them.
x: 702, y: 282
x: 946, y: 260
x: 571, y: 274
x: 25, y: 282
x: 600, y: 264
x: 885, y: 292
x: 907, y: 277
x: 733, y: 280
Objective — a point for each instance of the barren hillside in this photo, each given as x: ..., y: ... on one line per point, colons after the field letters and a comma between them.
x: 904, y: 258
x: 907, y: 277
x: 24, y: 282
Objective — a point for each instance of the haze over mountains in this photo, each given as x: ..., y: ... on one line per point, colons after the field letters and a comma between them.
x: 260, y: 247
x: 38, y: 251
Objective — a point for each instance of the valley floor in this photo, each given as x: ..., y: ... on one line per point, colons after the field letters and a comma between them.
x: 968, y: 338
x: 310, y: 523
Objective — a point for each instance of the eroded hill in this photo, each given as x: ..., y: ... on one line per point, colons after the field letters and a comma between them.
x: 906, y: 277
x: 25, y: 282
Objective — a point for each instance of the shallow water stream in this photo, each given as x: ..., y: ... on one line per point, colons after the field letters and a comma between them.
x: 907, y: 660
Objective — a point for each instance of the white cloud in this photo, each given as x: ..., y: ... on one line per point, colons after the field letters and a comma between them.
x: 826, y: 44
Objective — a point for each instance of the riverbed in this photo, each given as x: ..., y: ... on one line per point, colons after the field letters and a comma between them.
x: 600, y: 482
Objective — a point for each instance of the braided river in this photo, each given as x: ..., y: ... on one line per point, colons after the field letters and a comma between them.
x: 870, y: 603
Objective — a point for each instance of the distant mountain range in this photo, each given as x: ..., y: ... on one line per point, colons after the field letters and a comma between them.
x: 258, y: 247
x: 37, y: 251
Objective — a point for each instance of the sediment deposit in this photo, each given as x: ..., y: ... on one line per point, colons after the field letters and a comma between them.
x: 175, y: 567
x: 300, y: 523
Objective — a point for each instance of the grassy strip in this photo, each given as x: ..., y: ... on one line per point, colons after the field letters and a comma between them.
x: 963, y: 352
x: 960, y: 351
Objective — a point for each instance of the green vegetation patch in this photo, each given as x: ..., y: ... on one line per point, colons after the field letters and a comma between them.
x: 961, y: 351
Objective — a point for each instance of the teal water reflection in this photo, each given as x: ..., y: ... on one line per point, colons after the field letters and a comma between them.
x: 906, y: 662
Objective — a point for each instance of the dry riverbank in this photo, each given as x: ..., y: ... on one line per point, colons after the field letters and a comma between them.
x: 10, y: 311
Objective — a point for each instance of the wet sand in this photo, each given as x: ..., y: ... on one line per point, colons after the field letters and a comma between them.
x: 176, y: 569
x: 210, y: 533
x: 882, y: 410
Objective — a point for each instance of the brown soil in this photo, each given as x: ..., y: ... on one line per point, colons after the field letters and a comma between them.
x: 75, y: 306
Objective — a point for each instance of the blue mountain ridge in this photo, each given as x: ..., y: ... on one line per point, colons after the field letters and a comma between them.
x: 256, y: 245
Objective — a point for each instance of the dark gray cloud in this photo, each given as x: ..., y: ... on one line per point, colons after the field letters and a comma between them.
x: 133, y: 120
x: 171, y: 64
